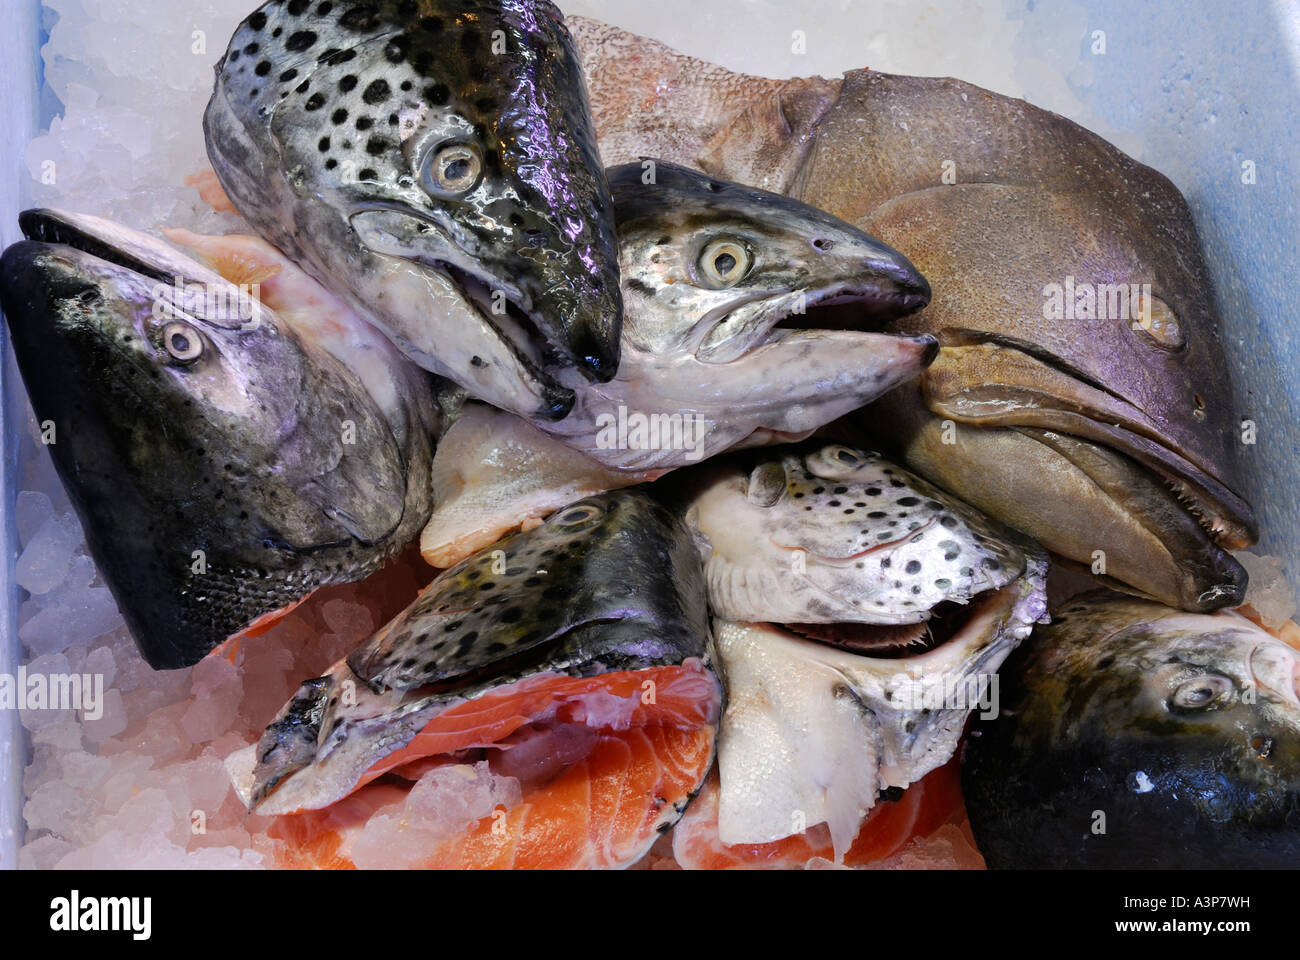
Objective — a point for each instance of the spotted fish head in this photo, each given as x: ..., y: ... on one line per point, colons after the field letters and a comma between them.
x: 205, y: 446
x: 400, y: 148
x: 611, y: 582
x: 710, y: 268
x: 828, y: 534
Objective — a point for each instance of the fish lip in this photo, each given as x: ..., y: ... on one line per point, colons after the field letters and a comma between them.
x: 909, y: 292
x: 1223, y: 514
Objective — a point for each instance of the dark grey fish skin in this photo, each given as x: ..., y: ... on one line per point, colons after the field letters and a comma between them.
x: 609, y: 583
x: 419, y: 158
x: 200, y: 432
x: 1183, y: 730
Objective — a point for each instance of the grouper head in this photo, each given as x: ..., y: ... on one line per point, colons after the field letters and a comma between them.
x: 747, y: 313
x: 1081, y: 392
x: 222, y: 466
x: 433, y: 163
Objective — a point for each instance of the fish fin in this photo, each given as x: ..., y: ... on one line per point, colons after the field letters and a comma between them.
x: 210, y: 190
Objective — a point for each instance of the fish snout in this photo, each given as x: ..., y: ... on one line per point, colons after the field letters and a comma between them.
x: 583, y: 319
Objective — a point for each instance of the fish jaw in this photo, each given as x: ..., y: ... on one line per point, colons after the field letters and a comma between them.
x: 192, y: 476
x: 1080, y: 500
x: 873, y: 730
x: 795, y: 382
x: 610, y: 584
x: 344, y: 172
x: 494, y: 472
x: 831, y: 534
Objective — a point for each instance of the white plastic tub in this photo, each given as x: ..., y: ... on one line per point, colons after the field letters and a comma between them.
x: 1195, y: 89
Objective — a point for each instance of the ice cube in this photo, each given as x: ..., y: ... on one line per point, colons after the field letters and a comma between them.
x: 44, y: 561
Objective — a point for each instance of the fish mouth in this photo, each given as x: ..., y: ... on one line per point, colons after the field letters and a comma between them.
x: 851, y: 307
x: 951, y: 622
x: 499, y: 302
x: 990, y: 381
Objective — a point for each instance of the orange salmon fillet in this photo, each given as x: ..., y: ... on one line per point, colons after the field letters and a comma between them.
x: 604, y: 810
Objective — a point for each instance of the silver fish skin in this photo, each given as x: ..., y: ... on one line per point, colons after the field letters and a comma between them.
x: 609, y: 583
x: 825, y: 533
x: 723, y: 290
x: 223, y: 466
x: 433, y: 164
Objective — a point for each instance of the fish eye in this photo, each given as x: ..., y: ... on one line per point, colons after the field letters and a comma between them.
x: 1202, y: 693
x: 724, y: 263
x: 847, y: 456
x: 183, y: 342
x: 452, y: 169
x: 577, y: 515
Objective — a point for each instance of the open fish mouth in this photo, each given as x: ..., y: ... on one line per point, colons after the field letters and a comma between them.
x: 950, y: 622
x: 154, y: 261
x: 846, y: 308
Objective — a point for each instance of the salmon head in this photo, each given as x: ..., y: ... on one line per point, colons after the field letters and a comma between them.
x: 825, y: 533
x: 434, y: 163
x: 607, y: 587
x: 222, y: 466
x: 1183, y: 727
x: 747, y: 316
x: 1080, y: 393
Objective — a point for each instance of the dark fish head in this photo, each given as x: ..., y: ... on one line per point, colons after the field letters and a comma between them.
x: 610, y: 583
x: 436, y: 151
x: 222, y: 467
x: 1184, y: 728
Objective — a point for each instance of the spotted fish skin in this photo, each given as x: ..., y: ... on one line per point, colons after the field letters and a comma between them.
x: 418, y: 157
x: 610, y: 583
x: 829, y: 533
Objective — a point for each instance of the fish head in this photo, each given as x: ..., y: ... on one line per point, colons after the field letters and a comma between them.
x: 435, y: 149
x: 712, y: 267
x: 830, y: 533
x: 1130, y: 669
x: 204, y: 445
x: 746, y: 310
x: 608, y: 584
x: 1183, y: 727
